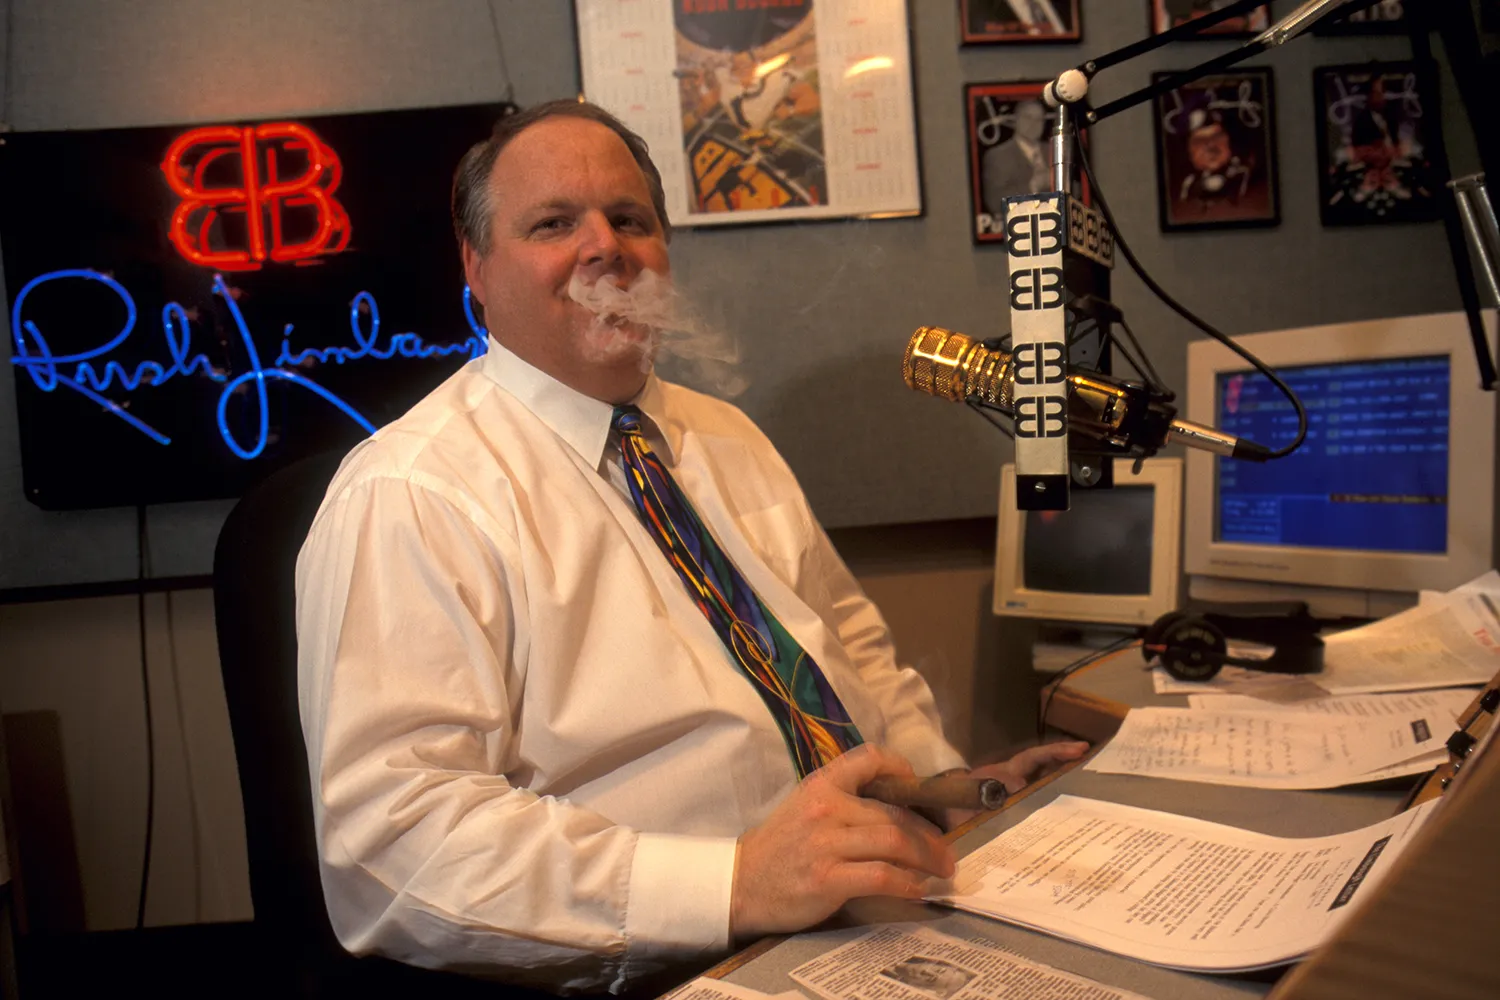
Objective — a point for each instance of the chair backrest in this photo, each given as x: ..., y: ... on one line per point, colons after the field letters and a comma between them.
x: 255, y: 607
x: 255, y: 617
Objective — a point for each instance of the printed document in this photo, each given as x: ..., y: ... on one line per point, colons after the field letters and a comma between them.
x: 1264, y: 749
x: 912, y: 962
x: 1172, y: 890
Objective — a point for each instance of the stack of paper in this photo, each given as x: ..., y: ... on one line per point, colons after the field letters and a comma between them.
x: 1172, y: 890
x: 1272, y: 749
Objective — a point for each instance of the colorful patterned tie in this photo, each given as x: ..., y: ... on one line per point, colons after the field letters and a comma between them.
x: 811, y: 717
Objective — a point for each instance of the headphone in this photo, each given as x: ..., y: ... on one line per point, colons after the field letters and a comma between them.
x: 1194, y: 644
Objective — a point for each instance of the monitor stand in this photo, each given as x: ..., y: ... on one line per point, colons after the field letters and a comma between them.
x: 1060, y: 644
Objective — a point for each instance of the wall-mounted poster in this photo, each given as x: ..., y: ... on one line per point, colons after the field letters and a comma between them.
x: 762, y: 112
x: 194, y: 306
x: 1372, y: 145
x: 1385, y: 18
x: 997, y: 22
x: 1216, y: 152
x: 1168, y: 14
x: 1008, y: 124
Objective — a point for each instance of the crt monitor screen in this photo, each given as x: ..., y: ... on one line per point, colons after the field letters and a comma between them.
x: 1373, y: 473
x: 1102, y: 545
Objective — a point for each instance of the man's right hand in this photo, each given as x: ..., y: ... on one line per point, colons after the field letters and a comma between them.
x: 825, y: 845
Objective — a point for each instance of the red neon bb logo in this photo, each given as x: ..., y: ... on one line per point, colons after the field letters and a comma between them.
x: 248, y: 194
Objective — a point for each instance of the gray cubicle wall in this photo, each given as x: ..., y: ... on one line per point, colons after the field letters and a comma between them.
x: 822, y: 310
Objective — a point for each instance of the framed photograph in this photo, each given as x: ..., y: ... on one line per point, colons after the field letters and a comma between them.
x: 1168, y: 14
x: 1008, y: 124
x: 1385, y: 18
x: 1216, y: 152
x: 1373, y: 164
x: 997, y: 22
x: 762, y: 112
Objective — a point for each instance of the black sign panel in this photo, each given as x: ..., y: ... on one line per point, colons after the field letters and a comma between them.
x: 194, y: 306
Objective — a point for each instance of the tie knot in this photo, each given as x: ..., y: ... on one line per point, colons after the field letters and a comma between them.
x: 626, y: 420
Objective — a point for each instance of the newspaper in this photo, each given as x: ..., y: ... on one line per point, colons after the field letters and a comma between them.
x: 1268, y: 748
x: 912, y: 962
x: 704, y: 988
x: 1175, y: 891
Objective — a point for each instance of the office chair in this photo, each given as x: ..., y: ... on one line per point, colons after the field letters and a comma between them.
x: 254, y: 608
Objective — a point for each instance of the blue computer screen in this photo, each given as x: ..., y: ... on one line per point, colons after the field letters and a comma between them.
x: 1372, y: 474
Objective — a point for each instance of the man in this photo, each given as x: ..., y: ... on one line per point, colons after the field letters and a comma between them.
x: 1217, y: 171
x: 753, y: 98
x: 531, y: 752
x: 1017, y: 165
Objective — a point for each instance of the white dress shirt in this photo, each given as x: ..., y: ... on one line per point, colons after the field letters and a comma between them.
x: 528, y: 747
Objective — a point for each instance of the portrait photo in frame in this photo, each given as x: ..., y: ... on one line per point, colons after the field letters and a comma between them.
x: 1003, y: 22
x: 1385, y: 18
x: 1216, y: 162
x: 1008, y: 124
x: 1373, y: 161
x: 1168, y: 14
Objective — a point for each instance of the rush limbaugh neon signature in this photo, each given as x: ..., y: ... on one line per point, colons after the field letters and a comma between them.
x: 195, y: 306
x: 47, y: 371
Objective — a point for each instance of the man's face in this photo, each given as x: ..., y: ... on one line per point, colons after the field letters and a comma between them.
x: 568, y: 199
x: 1208, y: 148
x: 1031, y: 121
x: 742, y: 66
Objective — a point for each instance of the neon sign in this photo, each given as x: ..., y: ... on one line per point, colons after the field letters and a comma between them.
x: 194, y: 306
x: 225, y: 186
x: 92, y: 374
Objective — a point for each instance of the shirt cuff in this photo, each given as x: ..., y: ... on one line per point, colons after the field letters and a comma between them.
x: 680, y: 891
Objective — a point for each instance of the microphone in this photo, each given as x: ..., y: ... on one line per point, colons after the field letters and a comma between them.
x: 1104, y: 414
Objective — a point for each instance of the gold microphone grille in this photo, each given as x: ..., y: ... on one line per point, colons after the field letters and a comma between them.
x: 934, y: 362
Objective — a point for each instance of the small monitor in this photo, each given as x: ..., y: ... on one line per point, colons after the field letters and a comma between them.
x: 1111, y: 558
x: 1391, y: 493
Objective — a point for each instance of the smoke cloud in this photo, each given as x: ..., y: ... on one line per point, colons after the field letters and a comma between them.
x: 656, y: 323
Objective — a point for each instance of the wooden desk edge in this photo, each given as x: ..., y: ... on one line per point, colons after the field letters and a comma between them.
x: 1082, y: 714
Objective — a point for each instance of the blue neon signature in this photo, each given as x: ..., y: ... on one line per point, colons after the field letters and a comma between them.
x: 35, y: 356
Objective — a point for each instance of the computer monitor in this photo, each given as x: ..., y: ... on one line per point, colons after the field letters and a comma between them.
x: 1391, y: 493
x: 1111, y: 558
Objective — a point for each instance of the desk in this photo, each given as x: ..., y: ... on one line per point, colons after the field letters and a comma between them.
x: 1290, y: 814
x: 1431, y: 890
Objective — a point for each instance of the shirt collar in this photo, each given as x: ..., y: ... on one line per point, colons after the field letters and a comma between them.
x: 582, y: 421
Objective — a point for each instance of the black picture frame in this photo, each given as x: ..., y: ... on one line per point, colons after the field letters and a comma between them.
x: 1216, y: 152
x: 1163, y: 15
x: 996, y: 160
x: 1011, y: 22
x: 1373, y: 166
x: 1385, y: 18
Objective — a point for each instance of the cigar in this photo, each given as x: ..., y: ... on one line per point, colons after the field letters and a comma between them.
x: 937, y: 792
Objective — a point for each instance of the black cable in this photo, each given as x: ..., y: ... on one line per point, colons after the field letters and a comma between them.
x: 1157, y: 385
x: 510, y: 87
x: 140, y: 567
x: 1181, y: 310
x: 1070, y: 670
x: 983, y: 411
x: 10, y: 59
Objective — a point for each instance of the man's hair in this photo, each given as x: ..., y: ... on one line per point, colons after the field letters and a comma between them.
x: 473, y: 201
